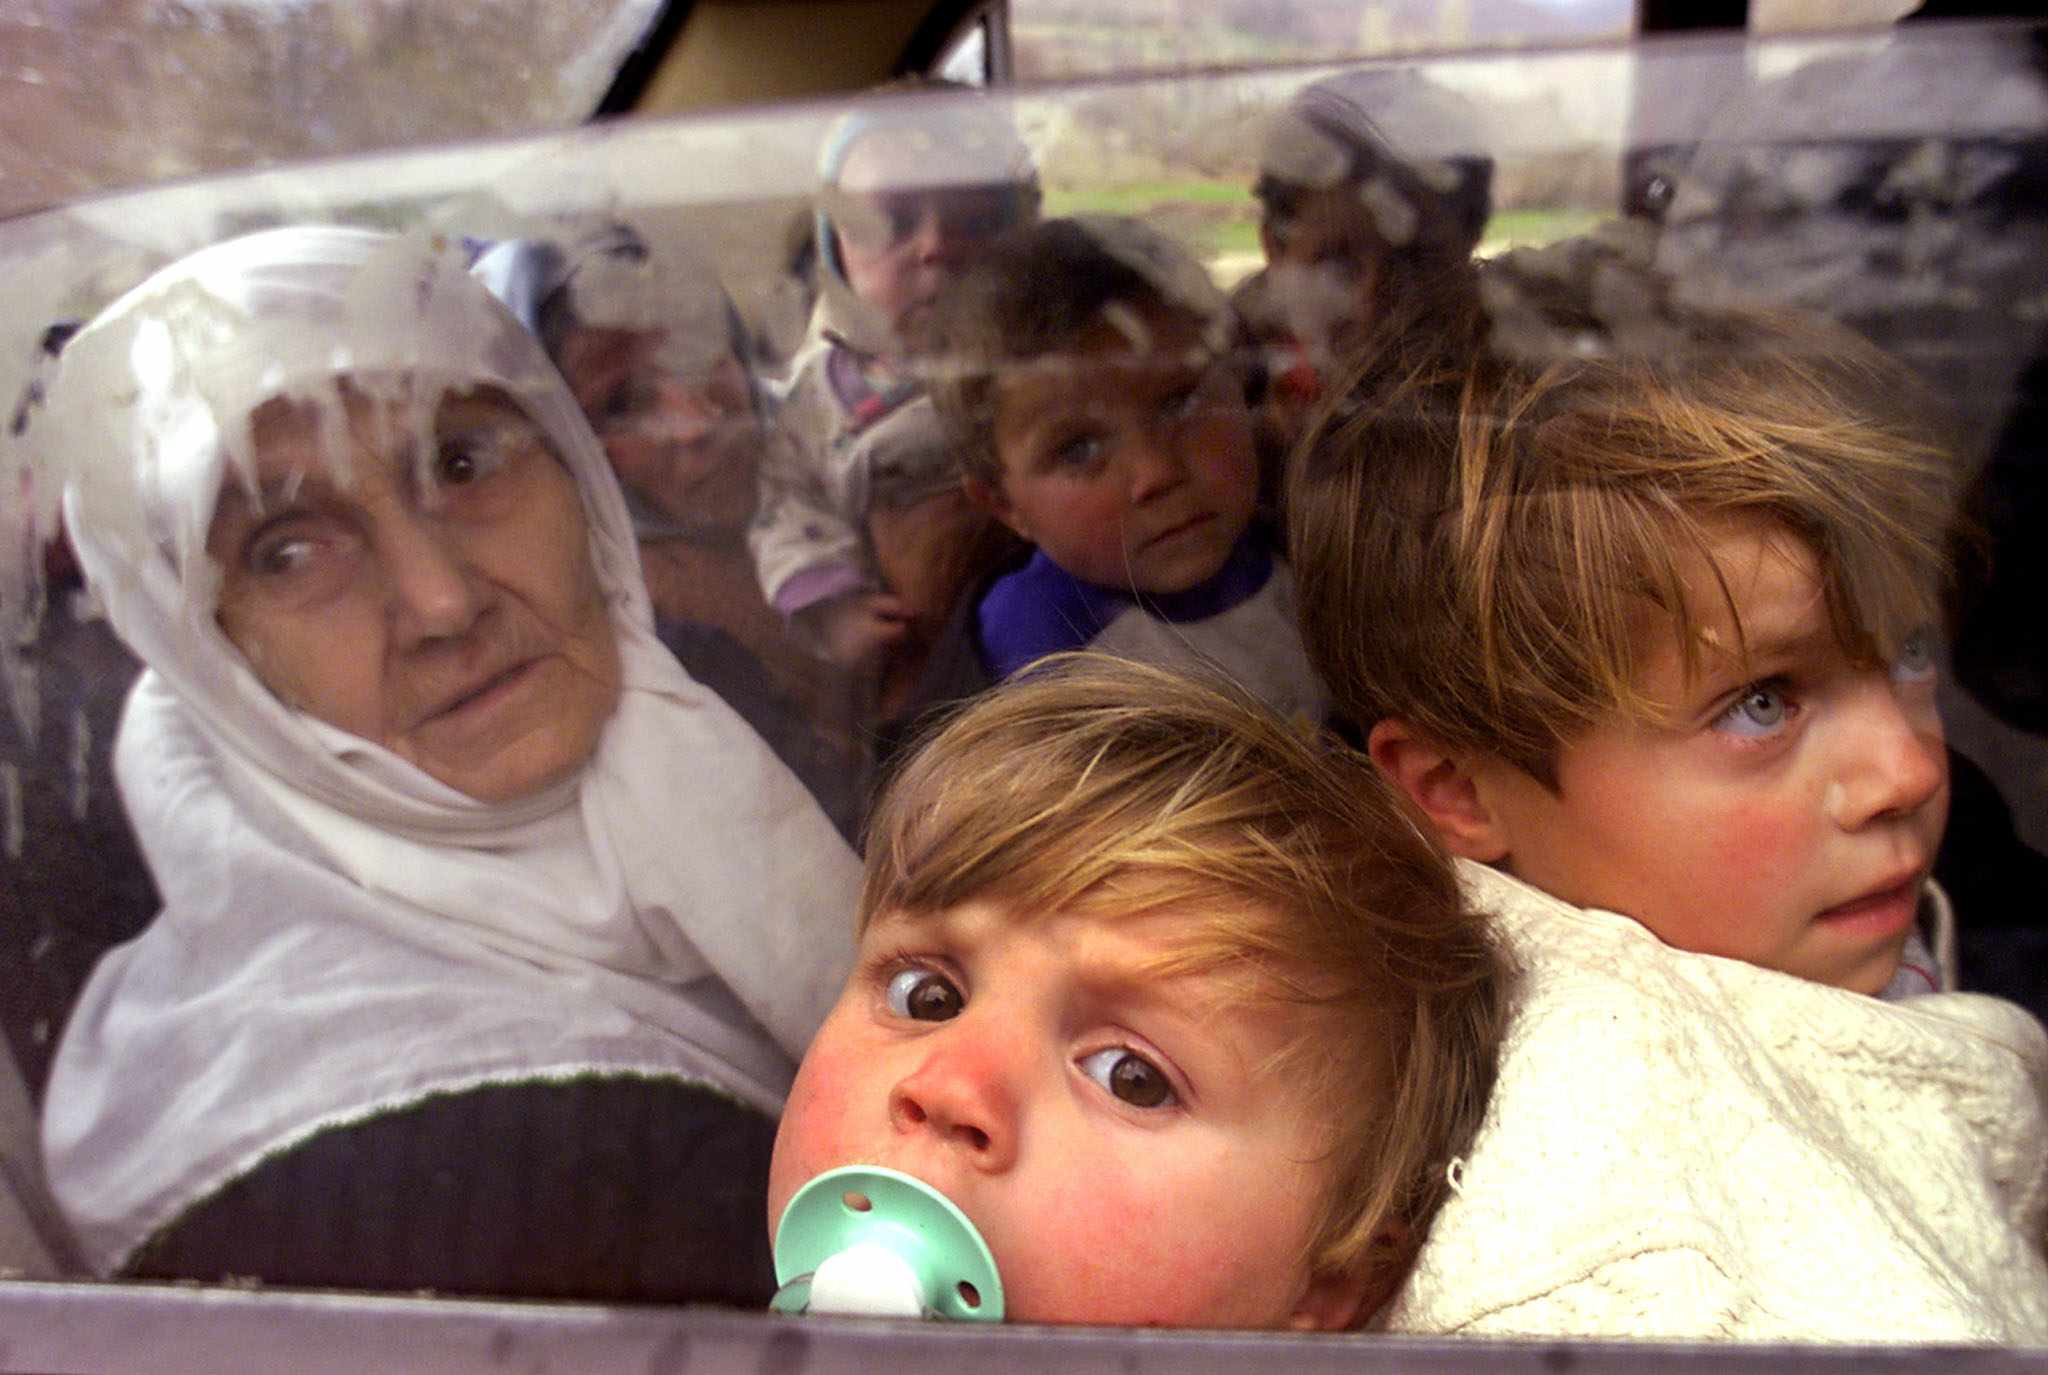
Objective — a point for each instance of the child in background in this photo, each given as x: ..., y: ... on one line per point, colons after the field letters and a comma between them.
x: 863, y: 539
x: 1180, y: 1007
x: 1086, y: 382
x: 653, y: 351
x: 1374, y: 188
x: 1646, y: 635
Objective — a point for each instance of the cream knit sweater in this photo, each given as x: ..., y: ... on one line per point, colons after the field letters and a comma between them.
x: 1687, y: 1147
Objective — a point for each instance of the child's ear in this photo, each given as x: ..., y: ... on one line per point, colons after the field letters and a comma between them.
x: 1443, y: 785
x: 988, y: 496
x: 1345, y: 1299
x: 1342, y: 1300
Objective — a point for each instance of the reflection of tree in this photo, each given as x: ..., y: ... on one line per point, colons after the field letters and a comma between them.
x: 104, y: 93
x: 1201, y: 127
x: 1055, y: 38
x: 1307, y: 25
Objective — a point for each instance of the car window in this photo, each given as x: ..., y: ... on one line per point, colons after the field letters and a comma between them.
x: 735, y: 344
x: 1061, y: 39
x: 214, y: 87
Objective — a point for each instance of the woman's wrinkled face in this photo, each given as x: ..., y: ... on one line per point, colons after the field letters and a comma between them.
x: 442, y: 605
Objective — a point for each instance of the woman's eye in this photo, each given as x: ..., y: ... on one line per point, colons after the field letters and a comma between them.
x: 468, y: 459
x: 457, y: 467
x: 1762, y: 709
x: 1915, y: 661
x: 924, y: 996
x: 280, y: 555
x: 1129, y: 1077
x: 624, y: 401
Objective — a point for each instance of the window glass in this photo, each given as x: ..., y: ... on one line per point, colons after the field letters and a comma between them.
x: 1055, y: 39
x: 128, y: 92
x: 712, y: 510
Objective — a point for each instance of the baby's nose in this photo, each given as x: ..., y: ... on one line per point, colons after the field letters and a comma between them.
x: 936, y: 236
x: 962, y: 1096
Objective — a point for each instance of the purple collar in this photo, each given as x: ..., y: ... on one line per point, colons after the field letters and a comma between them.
x: 1041, y: 608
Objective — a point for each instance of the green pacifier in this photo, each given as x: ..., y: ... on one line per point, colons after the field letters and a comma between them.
x: 875, y: 1242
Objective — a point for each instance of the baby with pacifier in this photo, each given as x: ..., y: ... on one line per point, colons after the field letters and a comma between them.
x: 1165, y: 1013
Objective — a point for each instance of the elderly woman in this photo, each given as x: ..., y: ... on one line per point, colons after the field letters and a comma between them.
x: 489, y: 936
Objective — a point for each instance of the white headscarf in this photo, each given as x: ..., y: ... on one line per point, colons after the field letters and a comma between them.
x: 341, y: 931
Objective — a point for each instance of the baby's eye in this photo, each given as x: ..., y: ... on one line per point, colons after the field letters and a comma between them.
x: 1915, y: 662
x: 902, y: 215
x: 924, y: 996
x: 1130, y: 1077
x: 1761, y: 710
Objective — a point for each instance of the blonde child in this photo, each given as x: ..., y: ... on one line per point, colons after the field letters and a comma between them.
x: 1645, y: 632
x: 1090, y: 389
x: 1180, y: 1008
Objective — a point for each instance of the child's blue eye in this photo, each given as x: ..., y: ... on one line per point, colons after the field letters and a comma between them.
x: 1083, y: 451
x: 1915, y: 662
x: 1761, y: 710
x: 923, y: 996
x: 1130, y: 1077
x: 1182, y: 404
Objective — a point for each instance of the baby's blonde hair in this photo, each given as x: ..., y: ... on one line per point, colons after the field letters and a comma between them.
x: 1105, y: 788
x: 1477, y: 536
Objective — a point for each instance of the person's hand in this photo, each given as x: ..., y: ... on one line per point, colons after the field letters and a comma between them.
x: 858, y: 629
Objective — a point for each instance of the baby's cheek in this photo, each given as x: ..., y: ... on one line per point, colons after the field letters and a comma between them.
x: 817, y: 1131
x: 1106, y: 1265
x: 1137, y: 1261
